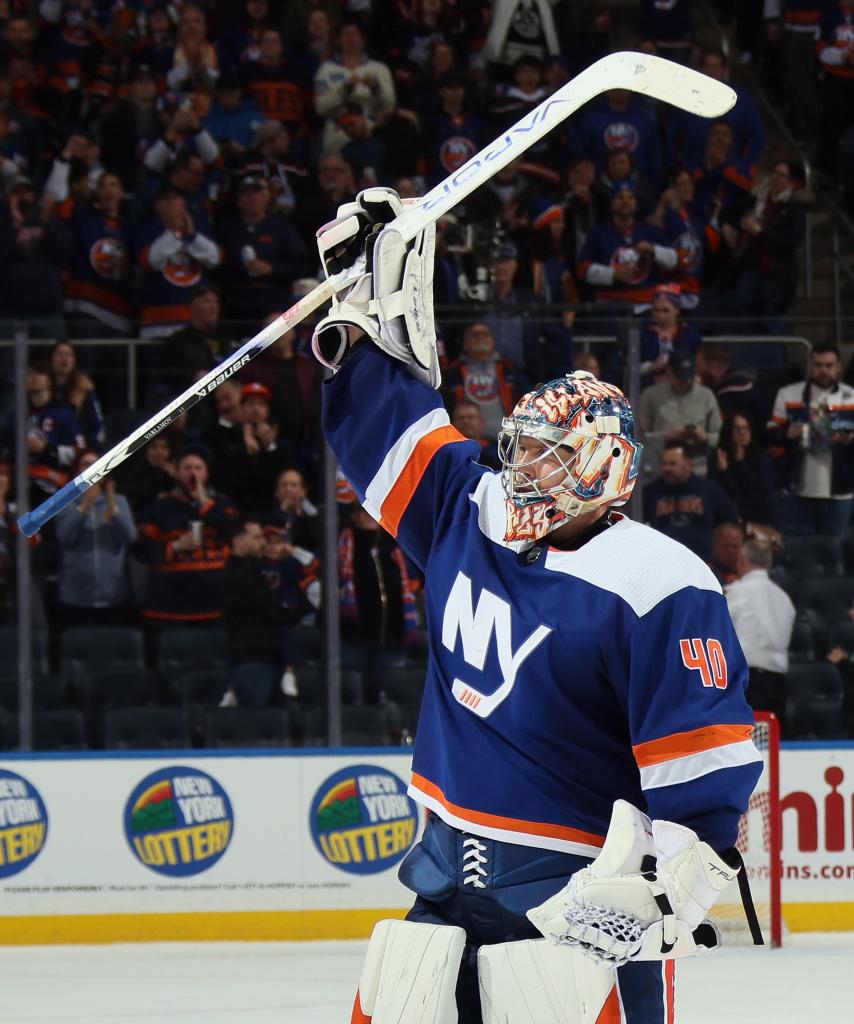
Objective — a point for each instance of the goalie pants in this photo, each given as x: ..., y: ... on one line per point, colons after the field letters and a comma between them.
x: 488, y: 898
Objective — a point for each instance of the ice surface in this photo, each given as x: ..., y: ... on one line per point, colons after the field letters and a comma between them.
x: 812, y: 979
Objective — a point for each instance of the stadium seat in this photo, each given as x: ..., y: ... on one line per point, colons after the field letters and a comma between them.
x: 818, y: 720
x: 311, y: 687
x: 388, y: 658
x: 247, y: 727
x: 830, y: 597
x: 120, y: 688
x: 806, y: 557
x: 183, y: 650
x: 802, y: 644
x: 306, y: 646
x: 841, y: 635
x: 48, y: 692
x: 9, y: 650
x: 146, y: 729
x: 783, y: 578
x: 819, y: 681
x: 89, y: 649
x: 848, y: 550
x: 52, y: 730
x: 360, y: 726
x: 202, y: 686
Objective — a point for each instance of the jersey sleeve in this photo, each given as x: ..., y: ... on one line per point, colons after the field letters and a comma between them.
x: 689, y: 720
x: 411, y: 469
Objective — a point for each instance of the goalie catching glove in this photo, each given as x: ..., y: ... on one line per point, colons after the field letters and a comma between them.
x: 645, y: 896
x: 388, y: 282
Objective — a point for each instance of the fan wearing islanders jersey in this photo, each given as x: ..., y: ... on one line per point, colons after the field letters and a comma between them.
x: 584, y: 746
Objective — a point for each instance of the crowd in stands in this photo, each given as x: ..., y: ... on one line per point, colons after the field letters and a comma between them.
x: 163, y: 171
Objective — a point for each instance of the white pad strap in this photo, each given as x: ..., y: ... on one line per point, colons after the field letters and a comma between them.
x: 410, y: 973
x: 534, y: 982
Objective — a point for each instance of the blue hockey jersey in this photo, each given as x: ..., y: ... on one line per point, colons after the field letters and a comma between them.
x: 558, y: 680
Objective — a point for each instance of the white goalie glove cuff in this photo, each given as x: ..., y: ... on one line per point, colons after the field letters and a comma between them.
x: 645, y: 896
x: 389, y: 296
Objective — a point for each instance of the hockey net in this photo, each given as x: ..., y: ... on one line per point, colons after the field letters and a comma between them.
x: 759, y: 843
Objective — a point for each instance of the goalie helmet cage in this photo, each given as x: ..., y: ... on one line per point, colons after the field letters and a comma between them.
x: 759, y: 842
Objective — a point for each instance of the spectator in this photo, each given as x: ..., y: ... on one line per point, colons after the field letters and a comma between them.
x: 143, y: 480
x: 363, y: 152
x: 233, y: 119
x: 8, y: 543
x: 687, y: 133
x: 468, y: 419
x: 195, y: 58
x: 511, y: 103
x: 691, y: 235
x: 224, y: 437
x: 625, y: 260
x: 680, y: 409
x: 281, y: 88
x: 186, y: 176
x: 264, y: 254
x: 503, y: 202
x: 292, y: 574
x: 735, y: 390
x: 294, y: 512
x: 763, y: 617
x: 664, y: 333
x: 727, y: 541
x: 454, y: 133
x: 241, y: 39
x: 83, y: 153
x: 578, y: 208
x: 669, y: 27
x: 20, y: 138
x: 722, y: 181
x: 94, y: 538
x: 185, y: 539
x: 683, y: 505
x: 771, y: 227
x: 811, y: 429
x: 517, y: 28
x: 319, y: 42
x: 157, y: 49
x: 251, y: 468
x: 619, y: 167
x: 271, y: 159
x: 744, y: 471
x: 801, y: 26
x: 174, y: 254
x: 185, y: 135
x: 74, y: 388
x: 484, y: 377
x: 618, y: 121
x: 377, y: 592
x: 98, y: 294
x: 351, y: 75
x: 292, y: 379
x: 844, y: 660
x: 515, y: 337
x: 335, y: 186
x: 835, y: 49
x: 54, y: 437
x: 254, y: 619
x: 34, y: 250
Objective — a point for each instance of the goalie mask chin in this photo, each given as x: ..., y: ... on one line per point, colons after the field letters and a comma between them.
x: 568, y: 448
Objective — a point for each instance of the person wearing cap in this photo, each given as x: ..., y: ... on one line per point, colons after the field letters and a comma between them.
x: 663, y: 333
x: 510, y: 103
x: 365, y: 153
x: 264, y: 254
x: 482, y: 376
x: 191, y: 352
x: 184, y: 537
x: 129, y: 126
x: 619, y: 167
x: 274, y: 156
x: 292, y: 377
x: 454, y: 133
x: 625, y: 260
x: 680, y: 409
x: 350, y: 75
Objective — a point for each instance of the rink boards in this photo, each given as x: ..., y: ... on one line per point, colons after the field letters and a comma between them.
x: 256, y: 845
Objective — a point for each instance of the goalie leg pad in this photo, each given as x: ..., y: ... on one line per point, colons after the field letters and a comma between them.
x: 534, y: 982
x: 410, y: 974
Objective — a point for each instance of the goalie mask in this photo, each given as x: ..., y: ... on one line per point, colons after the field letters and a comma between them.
x: 567, y: 448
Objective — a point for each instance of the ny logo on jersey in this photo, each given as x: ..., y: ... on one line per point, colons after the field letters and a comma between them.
x: 706, y: 658
x: 475, y: 624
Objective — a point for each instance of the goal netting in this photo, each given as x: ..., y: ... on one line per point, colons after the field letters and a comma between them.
x: 759, y: 843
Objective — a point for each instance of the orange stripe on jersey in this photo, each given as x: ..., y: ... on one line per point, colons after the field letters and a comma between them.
x: 610, y: 1012
x: 359, y: 1016
x: 683, y: 744
x: 669, y: 988
x: 534, y: 828
x: 398, y: 498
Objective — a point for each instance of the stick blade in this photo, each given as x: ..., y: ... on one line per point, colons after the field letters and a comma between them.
x: 673, y: 83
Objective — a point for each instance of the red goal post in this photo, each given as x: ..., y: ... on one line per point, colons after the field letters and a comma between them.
x: 759, y: 841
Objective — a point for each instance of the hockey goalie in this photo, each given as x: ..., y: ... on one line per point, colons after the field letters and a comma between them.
x: 584, y: 748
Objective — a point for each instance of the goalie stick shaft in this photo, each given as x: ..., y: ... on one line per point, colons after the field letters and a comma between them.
x: 641, y: 73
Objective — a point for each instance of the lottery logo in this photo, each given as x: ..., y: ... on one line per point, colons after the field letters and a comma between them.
x: 178, y: 821
x: 362, y: 820
x: 23, y: 823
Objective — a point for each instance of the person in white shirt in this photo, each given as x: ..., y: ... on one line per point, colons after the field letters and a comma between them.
x: 763, y: 616
x: 812, y: 429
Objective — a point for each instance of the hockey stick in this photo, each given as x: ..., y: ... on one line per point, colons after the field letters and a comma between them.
x: 639, y: 72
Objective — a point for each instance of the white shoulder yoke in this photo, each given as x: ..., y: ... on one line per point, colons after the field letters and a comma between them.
x: 635, y: 562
